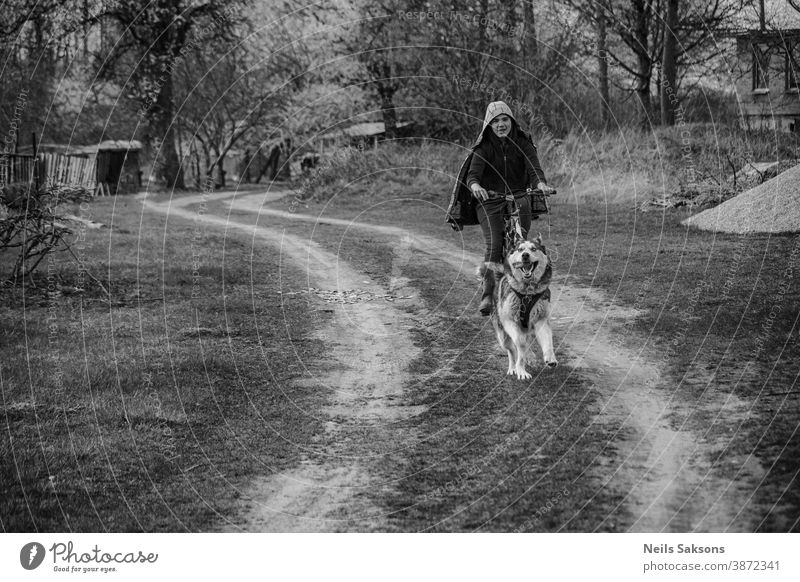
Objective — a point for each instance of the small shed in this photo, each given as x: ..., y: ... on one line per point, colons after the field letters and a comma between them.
x: 768, y: 74
x: 118, y: 169
x: 362, y: 135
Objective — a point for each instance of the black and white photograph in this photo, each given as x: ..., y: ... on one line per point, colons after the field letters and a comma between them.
x: 399, y: 267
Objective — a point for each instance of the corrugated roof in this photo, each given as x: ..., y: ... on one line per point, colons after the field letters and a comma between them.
x: 111, y: 145
x: 367, y: 129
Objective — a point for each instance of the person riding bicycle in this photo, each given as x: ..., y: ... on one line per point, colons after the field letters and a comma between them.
x: 503, y: 160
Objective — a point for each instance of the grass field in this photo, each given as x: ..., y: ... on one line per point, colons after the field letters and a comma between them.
x: 148, y: 411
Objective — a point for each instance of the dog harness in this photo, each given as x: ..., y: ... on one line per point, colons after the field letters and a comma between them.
x: 527, y: 303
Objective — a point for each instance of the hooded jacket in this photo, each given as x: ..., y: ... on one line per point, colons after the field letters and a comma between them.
x: 496, y: 164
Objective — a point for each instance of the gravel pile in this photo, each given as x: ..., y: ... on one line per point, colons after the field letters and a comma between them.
x: 773, y: 206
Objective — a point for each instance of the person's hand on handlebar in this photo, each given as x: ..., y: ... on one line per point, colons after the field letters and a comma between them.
x: 546, y: 189
x: 479, y: 192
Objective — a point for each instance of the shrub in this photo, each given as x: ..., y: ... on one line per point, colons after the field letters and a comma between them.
x: 30, y: 225
x: 403, y: 167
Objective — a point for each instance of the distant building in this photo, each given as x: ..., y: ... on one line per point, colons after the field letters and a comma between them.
x: 117, y: 165
x: 361, y: 135
x: 767, y: 78
x: 107, y: 168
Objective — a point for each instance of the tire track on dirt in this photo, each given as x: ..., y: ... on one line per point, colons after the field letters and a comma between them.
x: 664, y: 473
x: 365, y: 377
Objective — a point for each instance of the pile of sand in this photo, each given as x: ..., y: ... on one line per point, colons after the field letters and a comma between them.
x: 773, y: 206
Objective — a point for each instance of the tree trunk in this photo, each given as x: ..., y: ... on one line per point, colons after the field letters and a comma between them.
x: 261, y: 166
x: 207, y: 162
x: 530, y: 53
x: 272, y: 162
x: 644, y: 64
x: 388, y: 110
x: 483, y: 12
x: 669, y: 90
x: 529, y: 30
x: 217, y: 164
x: 386, y: 90
x: 643, y: 92
x: 168, y: 163
x: 602, y: 67
x: 284, y: 170
x: 197, y: 175
x: 221, y: 170
x: 247, y: 167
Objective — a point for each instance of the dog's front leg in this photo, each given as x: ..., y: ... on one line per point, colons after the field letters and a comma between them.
x: 519, y: 341
x: 544, y: 335
x: 505, y: 343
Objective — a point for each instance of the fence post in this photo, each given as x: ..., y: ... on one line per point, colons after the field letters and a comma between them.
x: 35, y: 162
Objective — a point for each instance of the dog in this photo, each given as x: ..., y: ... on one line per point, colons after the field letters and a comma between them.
x: 521, y: 308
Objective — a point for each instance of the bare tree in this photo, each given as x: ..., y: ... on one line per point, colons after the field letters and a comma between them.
x: 602, y: 65
x: 228, y: 93
x: 381, y: 36
x: 639, y: 31
x: 669, y: 65
x: 155, y: 35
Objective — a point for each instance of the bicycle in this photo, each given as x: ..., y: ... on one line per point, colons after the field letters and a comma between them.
x: 512, y: 229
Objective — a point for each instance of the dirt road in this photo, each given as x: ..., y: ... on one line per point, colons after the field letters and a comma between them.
x: 661, y: 468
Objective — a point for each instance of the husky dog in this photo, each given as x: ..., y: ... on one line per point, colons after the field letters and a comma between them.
x: 522, y: 305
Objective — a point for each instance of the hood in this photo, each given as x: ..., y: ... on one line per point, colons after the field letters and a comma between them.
x: 494, y: 109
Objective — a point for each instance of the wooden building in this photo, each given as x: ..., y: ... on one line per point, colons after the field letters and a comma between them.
x: 117, y: 165
x: 766, y: 69
x: 361, y: 135
x: 108, y: 168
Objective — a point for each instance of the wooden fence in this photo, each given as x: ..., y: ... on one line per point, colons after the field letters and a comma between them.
x: 51, y: 170
x: 61, y: 170
x: 18, y: 168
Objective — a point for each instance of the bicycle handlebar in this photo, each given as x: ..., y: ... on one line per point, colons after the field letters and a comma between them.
x: 537, y: 191
x: 496, y: 194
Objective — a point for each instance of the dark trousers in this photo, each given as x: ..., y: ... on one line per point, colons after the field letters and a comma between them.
x: 490, y: 217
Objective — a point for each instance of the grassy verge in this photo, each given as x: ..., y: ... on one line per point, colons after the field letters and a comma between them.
x: 149, y: 409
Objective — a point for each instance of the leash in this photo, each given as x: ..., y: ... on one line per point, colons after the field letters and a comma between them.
x: 550, y: 225
x: 547, y: 205
x: 513, y: 213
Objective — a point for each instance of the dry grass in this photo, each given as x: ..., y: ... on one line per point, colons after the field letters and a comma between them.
x: 631, y: 166
x: 616, y: 166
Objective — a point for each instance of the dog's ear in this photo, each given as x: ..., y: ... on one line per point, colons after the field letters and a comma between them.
x: 538, y: 239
